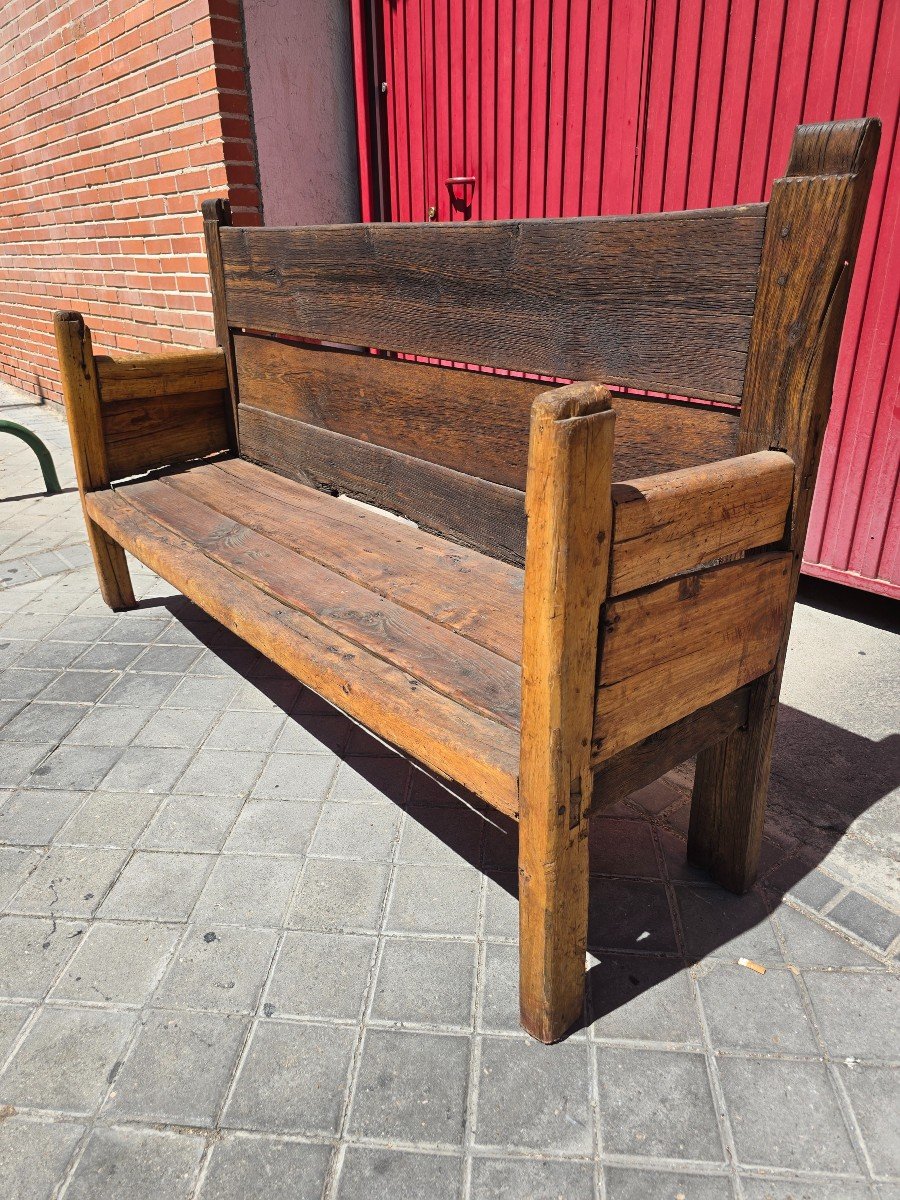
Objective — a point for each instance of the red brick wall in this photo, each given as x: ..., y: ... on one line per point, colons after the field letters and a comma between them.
x: 118, y: 118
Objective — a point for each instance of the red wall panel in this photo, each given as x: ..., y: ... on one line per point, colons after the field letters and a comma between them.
x: 567, y: 107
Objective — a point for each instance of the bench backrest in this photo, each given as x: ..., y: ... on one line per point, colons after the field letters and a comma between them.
x: 665, y: 303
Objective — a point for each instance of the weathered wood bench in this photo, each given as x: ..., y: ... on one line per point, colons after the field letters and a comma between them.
x: 638, y: 616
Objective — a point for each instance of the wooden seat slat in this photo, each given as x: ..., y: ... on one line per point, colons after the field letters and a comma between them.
x: 469, y: 593
x: 426, y: 650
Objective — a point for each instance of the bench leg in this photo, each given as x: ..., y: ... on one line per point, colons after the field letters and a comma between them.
x: 730, y: 789
x: 112, y: 568
x: 553, y: 917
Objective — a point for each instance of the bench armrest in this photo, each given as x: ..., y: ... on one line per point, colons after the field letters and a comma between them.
x: 128, y: 415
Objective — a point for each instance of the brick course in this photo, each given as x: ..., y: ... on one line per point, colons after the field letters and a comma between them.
x: 118, y: 118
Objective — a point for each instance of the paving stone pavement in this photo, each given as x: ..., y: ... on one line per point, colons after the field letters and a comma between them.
x: 247, y: 951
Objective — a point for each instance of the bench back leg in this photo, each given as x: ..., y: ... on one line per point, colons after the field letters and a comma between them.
x: 812, y: 234
x: 82, y: 396
x: 569, y: 504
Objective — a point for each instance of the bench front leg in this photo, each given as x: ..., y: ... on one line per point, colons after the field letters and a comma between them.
x: 569, y: 505
x: 81, y: 393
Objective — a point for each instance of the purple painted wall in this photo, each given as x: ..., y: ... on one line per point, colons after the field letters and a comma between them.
x: 300, y: 57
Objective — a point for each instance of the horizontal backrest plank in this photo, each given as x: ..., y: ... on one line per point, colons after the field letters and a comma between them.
x: 671, y: 523
x: 474, y: 512
x: 145, y: 376
x: 712, y: 632
x: 469, y: 421
x: 661, y: 302
x: 143, y: 434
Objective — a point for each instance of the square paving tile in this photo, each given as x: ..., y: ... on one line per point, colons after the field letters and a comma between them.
x: 314, y: 733
x: 643, y: 999
x: 501, y: 906
x: 798, y: 1127
x: 146, y: 769
x: 221, y: 773
x: 248, y: 730
x: 532, y: 1096
x: 718, y: 922
x: 221, y: 969
x: 622, y: 847
x: 434, y: 900
x: 306, y: 777
x: 176, y: 728
x: 33, y: 950
x: 637, y: 1113
x: 43, y: 722
x: 156, y: 886
x: 202, y: 692
x: 292, y: 1079
x: 369, y: 1173
x: 34, y: 1154
x: 412, y: 1087
x: 872, y: 922
x: 16, y: 863
x: 273, y: 827
x: 426, y: 981
x: 858, y: 1015
x: 265, y: 1167
x: 69, y: 881
x: 17, y: 761
x: 808, y: 1189
x: 320, y: 975
x: 537, y: 1178
x: 364, y: 831
x: 119, y: 963
x: 139, y: 690
x: 372, y: 780
x: 441, y: 836
x: 139, y: 1164
x: 178, y: 1070
x: 629, y: 914
x: 198, y: 823
x: 74, y: 767
x: 108, y: 819
x: 112, y: 725
x: 248, y: 890
x: 12, y: 1018
x: 337, y: 896
x: 747, y: 1011
x: 624, y: 1183
x: 874, y: 1097
x: 65, y: 1060
x: 811, y: 945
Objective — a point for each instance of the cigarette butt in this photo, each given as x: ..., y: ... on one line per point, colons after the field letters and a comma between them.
x: 746, y: 962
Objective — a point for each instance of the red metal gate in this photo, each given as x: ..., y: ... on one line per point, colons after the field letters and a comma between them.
x: 515, y: 108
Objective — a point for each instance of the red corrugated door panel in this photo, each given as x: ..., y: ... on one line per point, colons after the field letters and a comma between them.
x: 568, y: 107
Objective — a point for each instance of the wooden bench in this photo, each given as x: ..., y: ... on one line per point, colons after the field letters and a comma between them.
x: 588, y: 588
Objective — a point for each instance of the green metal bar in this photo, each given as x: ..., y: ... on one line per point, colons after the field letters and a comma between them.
x: 48, y: 470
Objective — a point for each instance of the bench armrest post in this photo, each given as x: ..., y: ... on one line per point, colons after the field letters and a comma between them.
x: 81, y: 393
x: 569, y: 507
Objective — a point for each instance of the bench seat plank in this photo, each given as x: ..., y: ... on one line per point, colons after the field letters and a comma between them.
x: 470, y: 593
x: 438, y: 657
x: 450, y: 738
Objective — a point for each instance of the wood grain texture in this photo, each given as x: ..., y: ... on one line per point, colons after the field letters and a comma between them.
x: 424, y: 649
x: 216, y: 217
x: 812, y: 235
x: 144, y: 434
x: 679, y: 646
x: 569, y: 534
x: 675, y: 522
x: 642, y: 764
x: 81, y: 393
x: 466, y: 420
x: 477, y: 597
x: 149, y: 376
x: 662, y: 302
x: 470, y: 511
x: 451, y: 740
